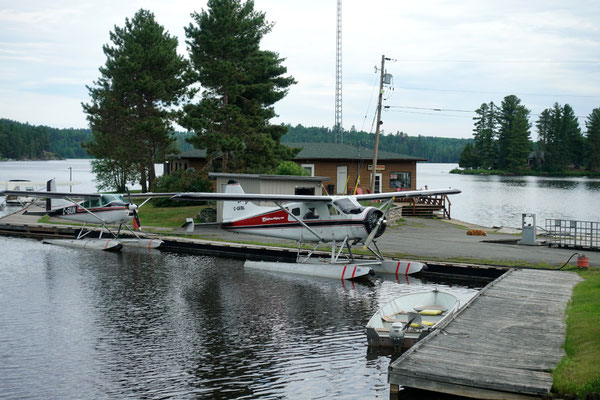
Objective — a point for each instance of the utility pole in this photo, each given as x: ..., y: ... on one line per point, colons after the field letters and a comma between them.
x: 379, y: 122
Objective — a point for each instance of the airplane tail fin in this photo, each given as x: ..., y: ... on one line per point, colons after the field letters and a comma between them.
x: 235, y: 210
x: 50, y: 187
x: 53, y: 203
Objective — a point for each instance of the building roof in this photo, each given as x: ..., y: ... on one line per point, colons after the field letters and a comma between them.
x: 336, y: 151
x: 214, y: 175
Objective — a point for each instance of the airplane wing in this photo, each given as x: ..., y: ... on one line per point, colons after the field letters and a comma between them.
x: 405, y: 194
x: 202, y: 196
x: 150, y: 194
x: 50, y: 195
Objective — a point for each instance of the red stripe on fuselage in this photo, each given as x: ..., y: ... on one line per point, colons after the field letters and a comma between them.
x: 270, y: 218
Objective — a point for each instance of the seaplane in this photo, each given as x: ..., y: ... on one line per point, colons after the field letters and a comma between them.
x: 339, y: 220
x: 25, y: 185
x: 95, y: 208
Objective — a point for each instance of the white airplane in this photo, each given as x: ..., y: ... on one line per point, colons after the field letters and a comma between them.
x: 27, y: 186
x: 97, y: 208
x: 322, y: 219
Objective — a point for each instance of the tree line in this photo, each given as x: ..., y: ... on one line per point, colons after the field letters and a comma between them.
x: 502, y: 139
x: 22, y: 141
x: 434, y: 149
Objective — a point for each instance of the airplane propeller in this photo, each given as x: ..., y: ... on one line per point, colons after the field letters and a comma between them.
x: 133, y: 208
x: 375, y: 230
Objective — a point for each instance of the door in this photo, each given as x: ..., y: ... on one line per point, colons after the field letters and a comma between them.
x: 342, y: 176
x: 378, y: 178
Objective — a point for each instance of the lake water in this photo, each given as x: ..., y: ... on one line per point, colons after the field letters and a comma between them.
x: 87, y: 324
x: 77, y: 170
x: 501, y: 200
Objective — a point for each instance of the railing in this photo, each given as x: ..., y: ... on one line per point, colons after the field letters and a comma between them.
x: 574, y: 234
x: 441, y: 202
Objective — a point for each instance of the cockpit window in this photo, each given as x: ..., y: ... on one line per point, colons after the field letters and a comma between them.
x: 348, y: 206
x: 311, y: 214
x: 110, y: 198
x: 91, y: 203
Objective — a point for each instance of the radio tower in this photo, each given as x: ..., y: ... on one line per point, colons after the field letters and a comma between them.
x: 337, y: 128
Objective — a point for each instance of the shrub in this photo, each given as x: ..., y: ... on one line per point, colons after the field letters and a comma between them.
x: 290, y: 168
x: 178, y: 182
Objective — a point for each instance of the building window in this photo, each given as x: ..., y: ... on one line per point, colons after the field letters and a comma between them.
x: 310, y: 168
x: 400, y: 180
x: 304, y: 191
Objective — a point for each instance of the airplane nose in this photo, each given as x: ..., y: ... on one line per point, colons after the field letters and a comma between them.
x: 132, y: 207
x: 373, y: 218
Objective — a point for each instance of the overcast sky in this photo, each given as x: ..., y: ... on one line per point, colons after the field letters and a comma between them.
x: 450, y: 55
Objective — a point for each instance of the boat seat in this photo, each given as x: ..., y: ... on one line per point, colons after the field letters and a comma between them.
x: 390, y: 318
x: 430, y: 310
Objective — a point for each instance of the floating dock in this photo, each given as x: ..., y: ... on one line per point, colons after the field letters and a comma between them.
x: 23, y: 225
x: 502, y: 345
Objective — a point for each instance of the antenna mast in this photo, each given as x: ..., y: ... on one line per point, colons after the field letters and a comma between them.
x: 338, y: 130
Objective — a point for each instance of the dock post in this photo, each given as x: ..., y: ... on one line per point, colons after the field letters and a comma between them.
x: 394, y: 391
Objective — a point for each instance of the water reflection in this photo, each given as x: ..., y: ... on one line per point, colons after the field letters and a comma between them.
x: 593, y: 185
x: 514, y: 182
x: 141, y: 324
x: 558, y: 184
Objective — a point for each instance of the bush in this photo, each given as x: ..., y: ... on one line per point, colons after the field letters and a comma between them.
x: 290, y: 168
x: 178, y: 182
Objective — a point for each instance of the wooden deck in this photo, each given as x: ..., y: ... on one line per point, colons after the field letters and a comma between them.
x: 502, y: 345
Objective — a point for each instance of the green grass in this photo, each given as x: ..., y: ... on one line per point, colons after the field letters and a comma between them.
x: 579, y: 371
x: 167, y: 217
x: 161, y: 217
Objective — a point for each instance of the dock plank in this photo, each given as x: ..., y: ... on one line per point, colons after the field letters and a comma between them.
x: 503, y: 344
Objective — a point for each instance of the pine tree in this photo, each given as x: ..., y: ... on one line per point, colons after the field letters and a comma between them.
x: 468, y: 157
x: 484, y: 133
x: 514, y: 142
x: 573, y: 137
x: 131, y: 106
x: 593, y: 139
x: 543, y: 127
x: 240, y: 83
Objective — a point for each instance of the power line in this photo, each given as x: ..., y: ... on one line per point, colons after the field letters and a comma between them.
x: 426, y: 113
x: 439, y: 110
x: 492, y: 92
x: 431, y: 109
x: 507, y: 61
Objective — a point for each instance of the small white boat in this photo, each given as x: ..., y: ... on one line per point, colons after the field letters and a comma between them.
x: 405, y: 320
x: 18, y: 184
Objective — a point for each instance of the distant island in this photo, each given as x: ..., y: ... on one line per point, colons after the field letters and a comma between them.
x: 502, y: 142
x: 527, y: 172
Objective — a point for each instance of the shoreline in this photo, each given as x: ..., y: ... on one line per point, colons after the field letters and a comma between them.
x: 543, y: 174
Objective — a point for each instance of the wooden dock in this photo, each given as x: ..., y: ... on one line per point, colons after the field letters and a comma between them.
x: 502, y: 345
